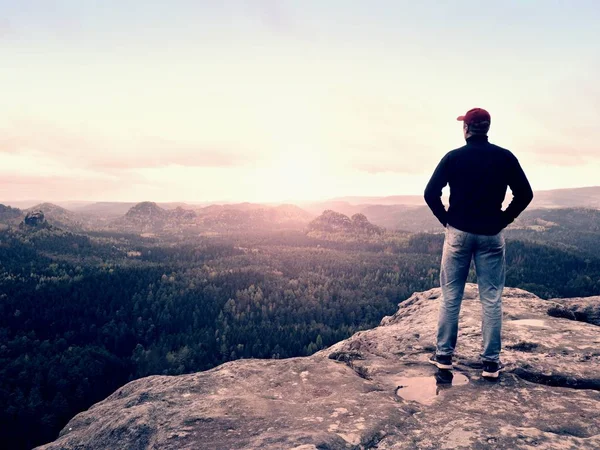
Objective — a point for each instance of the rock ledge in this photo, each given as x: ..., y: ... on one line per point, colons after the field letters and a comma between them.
x: 374, y: 390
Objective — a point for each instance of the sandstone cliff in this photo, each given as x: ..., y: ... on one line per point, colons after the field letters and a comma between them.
x: 374, y: 390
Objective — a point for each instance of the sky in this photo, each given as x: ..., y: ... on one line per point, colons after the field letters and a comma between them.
x: 274, y: 101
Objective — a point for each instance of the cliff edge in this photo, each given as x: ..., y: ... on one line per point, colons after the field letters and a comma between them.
x: 375, y: 390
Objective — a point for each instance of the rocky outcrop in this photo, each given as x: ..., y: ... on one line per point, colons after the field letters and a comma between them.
x: 361, y: 224
x: 35, y: 219
x: 179, y: 218
x: 149, y: 217
x: 586, y: 309
x: 374, y: 390
x: 58, y: 216
x: 331, y: 222
x: 146, y: 212
x: 334, y: 222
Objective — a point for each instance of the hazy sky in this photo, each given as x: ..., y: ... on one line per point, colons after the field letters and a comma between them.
x: 266, y: 100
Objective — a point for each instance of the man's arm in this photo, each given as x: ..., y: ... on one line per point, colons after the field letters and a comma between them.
x: 521, y: 189
x: 433, y: 191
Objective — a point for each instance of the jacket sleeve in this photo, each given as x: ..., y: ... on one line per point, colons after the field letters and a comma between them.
x: 521, y: 189
x: 433, y: 191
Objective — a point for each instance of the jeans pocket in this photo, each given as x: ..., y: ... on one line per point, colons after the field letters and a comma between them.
x: 496, y: 241
x: 454, y: 237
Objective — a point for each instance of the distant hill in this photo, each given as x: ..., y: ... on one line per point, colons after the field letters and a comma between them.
x: 399, y: 212
x: 392, y: 217
x: 386, y: 200
x: 334, y: 222
x: 149, y: 217
x: 142, y: 217
x: 244, y: 206
x: 289, y: 214
x: 572, y: 229
x: 586, y: 197
x: 402, y: 217
x: 340, y: 206
x: 60, y: 217
x: 248, y: 216
x: 421, y: 219
x: 410, y: 213
x: 106, y: 209
x: 21, y: 204
x: 575, y: 219
x: 10, y: 215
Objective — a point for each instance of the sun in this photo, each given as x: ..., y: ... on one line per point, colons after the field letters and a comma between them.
x: 298, y: 174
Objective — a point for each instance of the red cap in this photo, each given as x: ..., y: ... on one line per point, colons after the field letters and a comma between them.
x: 475, y: 116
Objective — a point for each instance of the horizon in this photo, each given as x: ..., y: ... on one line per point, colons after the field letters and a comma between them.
x: 346, y: 198
x: 281, y: 101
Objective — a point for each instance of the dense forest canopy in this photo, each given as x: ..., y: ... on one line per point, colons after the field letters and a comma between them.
x: 83, y: 313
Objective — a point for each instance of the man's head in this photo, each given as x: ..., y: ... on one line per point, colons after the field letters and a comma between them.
x: 475, y: 122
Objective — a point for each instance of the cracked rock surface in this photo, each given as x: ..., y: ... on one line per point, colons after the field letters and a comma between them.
x: 375, y: 390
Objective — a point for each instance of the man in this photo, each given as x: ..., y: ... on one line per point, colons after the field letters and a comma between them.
x: 478, y: 174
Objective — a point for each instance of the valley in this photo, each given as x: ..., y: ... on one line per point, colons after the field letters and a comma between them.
x: 91, y: 300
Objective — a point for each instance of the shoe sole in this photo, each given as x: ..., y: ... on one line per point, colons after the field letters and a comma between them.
x: 485, y: 374
x: 492, y: 374
x: 439, y: 365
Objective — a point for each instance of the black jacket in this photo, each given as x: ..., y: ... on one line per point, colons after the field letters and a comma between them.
x: 478, y: 174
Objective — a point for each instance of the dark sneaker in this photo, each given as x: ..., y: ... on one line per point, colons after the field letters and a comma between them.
x: 491, y: 369
x: 443, y: 362
x: 444, y: 377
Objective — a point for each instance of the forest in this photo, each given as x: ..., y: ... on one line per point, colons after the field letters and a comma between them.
x: 82, y: 314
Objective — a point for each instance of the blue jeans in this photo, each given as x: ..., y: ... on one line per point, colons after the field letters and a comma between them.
x: 489, y: 255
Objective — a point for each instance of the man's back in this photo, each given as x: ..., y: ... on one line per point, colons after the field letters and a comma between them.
x: 478, y: 174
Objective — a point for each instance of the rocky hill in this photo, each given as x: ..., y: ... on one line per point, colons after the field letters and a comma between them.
x: 113, y: 210
x: 60, y: 217
x: 418, y: 219
x: 334, y: 222
x: 144, y: 216
x: 375, y: 390
x: 180, y: 217
x: 149, y: 217
x: 412, y: 218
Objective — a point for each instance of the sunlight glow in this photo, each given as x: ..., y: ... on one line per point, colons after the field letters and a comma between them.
x: 299, y: 173
x: 327, y: 100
